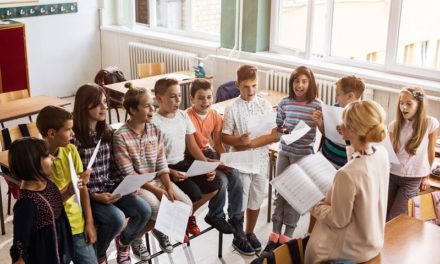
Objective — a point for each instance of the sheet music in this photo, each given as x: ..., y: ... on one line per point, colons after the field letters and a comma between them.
x: 389, y: 147
x: 261, y: 125
x: 74, y: 179
x: 298, y: 132
x: 132, y: 183
x: 319, y: 170
x: 172, y: 218
x: 297, y: 189
x: 332, y: 116
x: 199, y: 167
x: 244, y: 161
x: 95, y: 152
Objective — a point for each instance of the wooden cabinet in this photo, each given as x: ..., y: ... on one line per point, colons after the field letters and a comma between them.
x: 13, y: 59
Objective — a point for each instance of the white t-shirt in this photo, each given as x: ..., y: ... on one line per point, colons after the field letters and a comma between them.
x: 174, y: 130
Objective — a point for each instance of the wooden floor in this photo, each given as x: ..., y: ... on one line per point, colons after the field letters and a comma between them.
x: 202, y: 250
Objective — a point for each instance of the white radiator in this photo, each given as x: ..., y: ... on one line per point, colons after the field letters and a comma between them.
x: 279, y: 81
x: 174, y: 60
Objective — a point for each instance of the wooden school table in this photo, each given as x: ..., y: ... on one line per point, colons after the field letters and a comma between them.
x: 409, y: 240
x: 28, y: 106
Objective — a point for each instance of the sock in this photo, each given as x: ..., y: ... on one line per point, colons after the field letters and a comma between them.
x: 284, y: 239
x: 274, y: 237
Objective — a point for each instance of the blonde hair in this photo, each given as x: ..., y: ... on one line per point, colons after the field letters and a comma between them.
x: 419, y: 125
x: 366, y: 119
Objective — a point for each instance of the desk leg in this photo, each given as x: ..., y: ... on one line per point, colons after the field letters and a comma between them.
x: 2, y: 217
x: 269, y: 198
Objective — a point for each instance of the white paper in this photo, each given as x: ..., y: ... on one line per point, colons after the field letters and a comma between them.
x: 116, y: 126
x: 132, y: 183
x: 172, y: 218
x: 199, y: 167
x: 95, y: 152
x: 332, y: 116
x: 298, y: 132
x: 244, y: 161
x: 74, y: 179
x: 261, y: 125
x: 305, y: 183
x: 389, y: 147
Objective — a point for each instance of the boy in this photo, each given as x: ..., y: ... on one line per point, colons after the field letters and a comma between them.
x: 348, y: 89
x: 235, y: 134
x: 55, y: 125
x: 208, y: 124
x: 178, y: 134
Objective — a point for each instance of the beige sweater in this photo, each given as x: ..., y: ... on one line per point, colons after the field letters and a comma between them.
x: 351, y: 221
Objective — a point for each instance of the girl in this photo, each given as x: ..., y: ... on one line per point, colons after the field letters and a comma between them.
x: 42, y: 232
x: 413, y: 134
x: 109, y: 212
x: 351, y: 219
x: 298, y: 106
x: 138, y: 148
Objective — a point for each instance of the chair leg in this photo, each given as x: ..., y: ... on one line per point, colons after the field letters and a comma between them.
x: 30, y: 118
x: 3, y: 125
x: 117, y: 115
x: 147, y: 243
x: 126, y: 116
x: 2, y: 217
x: 220, y: 244
x: 269, y: 197
x: 9, y: 200
x: 110, y: 116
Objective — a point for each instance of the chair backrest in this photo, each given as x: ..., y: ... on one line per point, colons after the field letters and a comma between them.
x: 150, y: 69
x: 9, y: 134
x: 422, y: 207
x: 14, y: 95
x: 226, y: 91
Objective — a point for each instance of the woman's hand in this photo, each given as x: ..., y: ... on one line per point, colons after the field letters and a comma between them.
x: 177, y: 176
x: 425, y: 184
x: 210, y: 176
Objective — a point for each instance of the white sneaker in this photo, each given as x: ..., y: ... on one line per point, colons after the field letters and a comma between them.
x: 164, y: 242
x: 140, y: 250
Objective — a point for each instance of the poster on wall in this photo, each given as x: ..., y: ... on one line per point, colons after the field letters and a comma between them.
x: 12, y: 2
x: 41, y: 9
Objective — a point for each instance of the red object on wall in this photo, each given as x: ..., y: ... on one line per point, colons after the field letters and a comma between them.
x: 13, y: 59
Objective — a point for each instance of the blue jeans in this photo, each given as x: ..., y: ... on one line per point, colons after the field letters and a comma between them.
x: 83, y: 253
x: 230, y: 181
x: 110, y: 220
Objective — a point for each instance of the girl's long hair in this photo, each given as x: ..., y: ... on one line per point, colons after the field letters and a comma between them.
x: 419, y: 124
x: 88, y: 97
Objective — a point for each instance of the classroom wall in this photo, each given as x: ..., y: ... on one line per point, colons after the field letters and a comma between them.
x: 63, y: 50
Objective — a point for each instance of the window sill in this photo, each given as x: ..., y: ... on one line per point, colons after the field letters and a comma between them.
x: 161, y: 36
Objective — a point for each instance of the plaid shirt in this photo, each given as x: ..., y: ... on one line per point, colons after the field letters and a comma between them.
x: 103, y: 169
x: 140, y: 153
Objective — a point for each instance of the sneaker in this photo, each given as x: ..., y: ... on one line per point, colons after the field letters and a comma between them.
x: 271, y: 246
x: 220, y: 224
x: 253, y: 240
x: 243, y: 246
x: 123, y: 252
x: 140, y: 250
x: 164, y: 242
x: 192, y: 227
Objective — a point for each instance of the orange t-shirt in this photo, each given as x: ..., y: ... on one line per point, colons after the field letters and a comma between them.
x: 212, y: 123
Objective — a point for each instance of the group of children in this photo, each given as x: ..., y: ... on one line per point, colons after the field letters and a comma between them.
x: 166, y: 142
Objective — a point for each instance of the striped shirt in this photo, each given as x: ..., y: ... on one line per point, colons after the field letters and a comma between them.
x: 139, y: 153
x: 102, y: 168
x: 289, y: 114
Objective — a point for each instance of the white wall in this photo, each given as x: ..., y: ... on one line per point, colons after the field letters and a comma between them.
x: 63, y: 50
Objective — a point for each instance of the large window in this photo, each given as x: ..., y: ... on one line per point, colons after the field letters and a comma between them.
x: 194, y: 17
x: 389, y: 35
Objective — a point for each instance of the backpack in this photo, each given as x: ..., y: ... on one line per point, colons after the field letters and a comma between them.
x: 109, y: 75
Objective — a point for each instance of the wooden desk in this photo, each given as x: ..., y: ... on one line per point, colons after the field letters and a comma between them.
x: 4, y: 159
x: 408, y: 240
x: 184, y: 78
x: 28, y: 106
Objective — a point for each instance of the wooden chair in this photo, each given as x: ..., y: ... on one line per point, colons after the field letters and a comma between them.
x: 427, y: 209
x: 7, y: 136
x: 150, y: 69
x: 15, y: 95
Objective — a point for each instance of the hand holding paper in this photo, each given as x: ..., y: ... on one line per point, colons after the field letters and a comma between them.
x: 131, y: 183
x: 74, y: 179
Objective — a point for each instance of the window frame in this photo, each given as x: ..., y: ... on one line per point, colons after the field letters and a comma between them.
x: 390, y: 64
x: 187, y: 31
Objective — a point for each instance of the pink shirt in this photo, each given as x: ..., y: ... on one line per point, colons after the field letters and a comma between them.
x: 413, y: 165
